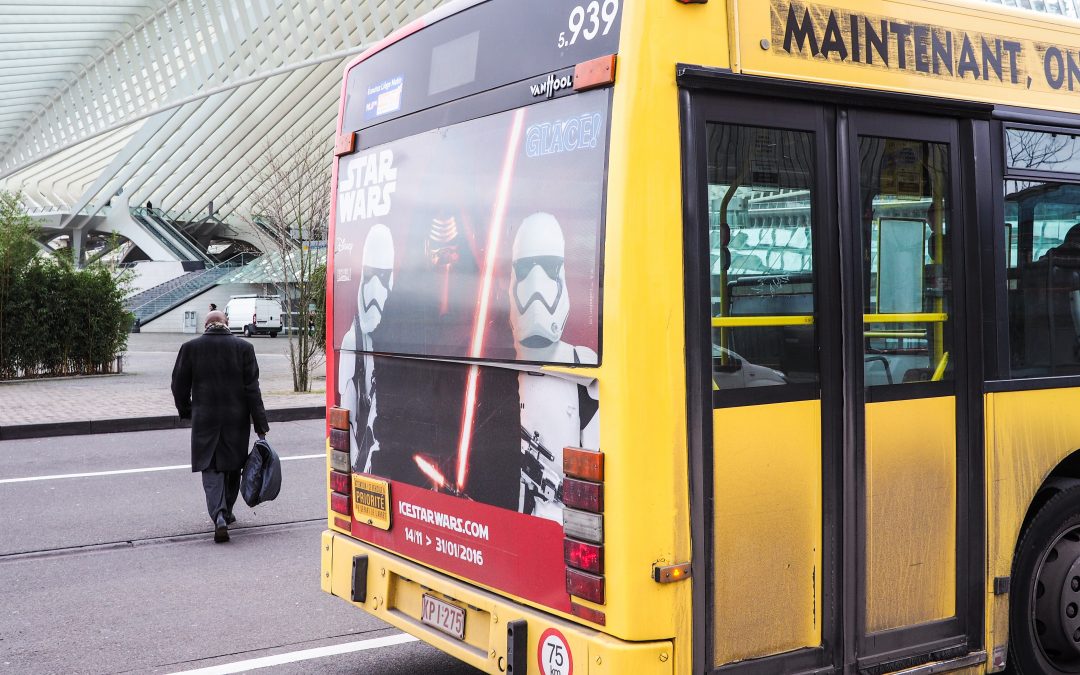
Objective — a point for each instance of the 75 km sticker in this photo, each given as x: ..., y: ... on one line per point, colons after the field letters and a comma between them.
x: 553, y: 654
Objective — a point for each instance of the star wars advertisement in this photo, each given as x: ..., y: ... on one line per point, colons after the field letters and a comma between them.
x: 464, y: 257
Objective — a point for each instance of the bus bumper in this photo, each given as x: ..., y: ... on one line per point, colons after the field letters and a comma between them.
x: 395, y: 586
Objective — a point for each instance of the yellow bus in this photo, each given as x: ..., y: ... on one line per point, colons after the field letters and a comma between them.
x: 818, y: 265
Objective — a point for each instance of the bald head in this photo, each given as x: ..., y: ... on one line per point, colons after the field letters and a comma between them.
x: 216, y: 316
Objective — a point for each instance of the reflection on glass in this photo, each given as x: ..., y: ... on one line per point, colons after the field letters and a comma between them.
x: 1042, y: 151
x: 905, y: 217
x: 761, y: 256
x: 1043, y: 277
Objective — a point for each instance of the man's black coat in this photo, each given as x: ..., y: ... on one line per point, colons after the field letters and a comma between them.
x: 215, y: 383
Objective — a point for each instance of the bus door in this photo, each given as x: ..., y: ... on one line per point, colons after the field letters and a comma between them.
x: 907, y: 368
x: 828, y: 434
x: 761, y: 239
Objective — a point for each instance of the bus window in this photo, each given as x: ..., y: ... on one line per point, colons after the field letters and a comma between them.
x: 905, y: 207
x: 1044, y: 285
x: 1042, y: 150
x: 761, y: 256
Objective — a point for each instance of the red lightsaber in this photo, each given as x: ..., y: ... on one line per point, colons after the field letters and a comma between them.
x: 476, y: 348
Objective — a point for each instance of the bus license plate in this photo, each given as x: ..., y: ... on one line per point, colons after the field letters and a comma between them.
x: 448, y: 618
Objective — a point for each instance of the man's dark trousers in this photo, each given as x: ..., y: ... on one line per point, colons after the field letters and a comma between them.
x: 221, y: 489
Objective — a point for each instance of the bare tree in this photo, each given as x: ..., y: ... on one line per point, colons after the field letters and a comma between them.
x: 1040, y: 150
x: 290, y: 207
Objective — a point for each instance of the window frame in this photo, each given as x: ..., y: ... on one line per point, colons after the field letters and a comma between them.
x: 998, y: 366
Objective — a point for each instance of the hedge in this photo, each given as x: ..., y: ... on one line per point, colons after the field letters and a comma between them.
x: 55, y: 320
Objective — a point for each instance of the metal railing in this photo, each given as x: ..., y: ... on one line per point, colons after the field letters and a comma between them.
x: 163, y: 297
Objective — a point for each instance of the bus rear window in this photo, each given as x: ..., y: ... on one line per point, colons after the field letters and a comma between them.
x: 477, y: 241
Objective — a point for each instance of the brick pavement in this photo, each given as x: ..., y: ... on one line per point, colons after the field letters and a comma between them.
x: 142, y: 390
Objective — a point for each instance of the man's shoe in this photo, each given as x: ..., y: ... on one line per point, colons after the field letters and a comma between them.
x: 229, y: 519
x: 221, y: 531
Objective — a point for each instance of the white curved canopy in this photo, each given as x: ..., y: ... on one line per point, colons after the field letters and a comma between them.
x: 169, y: 101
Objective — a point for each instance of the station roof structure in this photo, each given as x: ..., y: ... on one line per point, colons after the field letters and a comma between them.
x: 107, y: 103
x: 169, y: 101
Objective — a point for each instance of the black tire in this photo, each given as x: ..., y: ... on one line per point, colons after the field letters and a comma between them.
x: 1044, y: 604
x: 247, y: 331
x: 273, y: 333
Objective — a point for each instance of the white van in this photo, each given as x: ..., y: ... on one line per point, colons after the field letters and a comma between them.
x: 254, y: 314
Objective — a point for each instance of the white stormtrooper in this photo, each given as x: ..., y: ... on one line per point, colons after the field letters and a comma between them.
x: 554, y: 412
x: 356, y: 371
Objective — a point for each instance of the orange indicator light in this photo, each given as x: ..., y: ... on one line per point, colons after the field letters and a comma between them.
x: 339, y: 418
x: 598, y: 72
x: 584, y: 464
x: 345, y: 144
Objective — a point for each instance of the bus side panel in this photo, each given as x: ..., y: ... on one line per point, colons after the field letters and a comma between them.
x: 768, y: 525
x: 643, y: 378
x: 911, y: 512
x: 1028, y: 434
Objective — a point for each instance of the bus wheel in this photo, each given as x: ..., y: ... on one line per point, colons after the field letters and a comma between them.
x: 1044, y: 612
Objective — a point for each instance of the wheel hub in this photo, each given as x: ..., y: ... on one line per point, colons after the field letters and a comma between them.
x: 1057, y: 602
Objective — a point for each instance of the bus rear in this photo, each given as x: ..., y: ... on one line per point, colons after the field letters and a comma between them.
x: 465, y: 472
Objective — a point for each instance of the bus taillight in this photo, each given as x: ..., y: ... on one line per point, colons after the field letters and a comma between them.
x: 583, y: 523
x: 583, y: 494
x: 584, y: 556
x: 339, y: 503
x: 340, y: 474
x: 339, y: 482
x: 585, y: 585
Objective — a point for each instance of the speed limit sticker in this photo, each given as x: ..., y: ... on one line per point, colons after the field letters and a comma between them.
x: 553, y: 654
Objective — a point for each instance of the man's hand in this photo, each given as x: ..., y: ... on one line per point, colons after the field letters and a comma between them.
x: 262, y: 435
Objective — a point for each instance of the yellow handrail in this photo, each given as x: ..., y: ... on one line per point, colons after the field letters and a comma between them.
x: 920, y: 317
x: 754, y: 321
x: 806, y: 320
x: 939, y: 372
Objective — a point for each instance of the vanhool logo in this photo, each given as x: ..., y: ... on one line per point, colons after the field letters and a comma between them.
x: 551, y: 85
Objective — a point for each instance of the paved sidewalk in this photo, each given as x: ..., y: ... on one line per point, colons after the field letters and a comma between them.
x: 142, y: 390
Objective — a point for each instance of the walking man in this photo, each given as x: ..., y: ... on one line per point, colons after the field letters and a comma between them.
x: 215, y: 383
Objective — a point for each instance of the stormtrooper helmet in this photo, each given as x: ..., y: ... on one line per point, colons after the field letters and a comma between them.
x: 377, y: 277
x: 539, y: 302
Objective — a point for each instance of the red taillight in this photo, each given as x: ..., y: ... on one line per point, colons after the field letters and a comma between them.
x: 339, y: 482
x: 583, y: 494
x: 339, y: 439
x: 588, y: 613
x: 583, y: 585
x: 339, y: 503
x: 588, y: 557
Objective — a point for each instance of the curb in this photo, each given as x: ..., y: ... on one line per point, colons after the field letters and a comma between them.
x: 114, y: 426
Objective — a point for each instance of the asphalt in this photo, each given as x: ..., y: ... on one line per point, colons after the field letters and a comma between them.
x: 118, y: 573
x: 138, y: 399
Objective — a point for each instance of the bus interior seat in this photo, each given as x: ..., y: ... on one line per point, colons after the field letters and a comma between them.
x: 1050, y: 289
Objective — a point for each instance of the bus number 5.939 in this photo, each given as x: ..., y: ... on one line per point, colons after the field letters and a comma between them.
x: 585, y: 21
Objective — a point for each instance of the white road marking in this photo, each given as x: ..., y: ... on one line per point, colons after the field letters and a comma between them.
x: 303, y: 655
x: 118, y: 472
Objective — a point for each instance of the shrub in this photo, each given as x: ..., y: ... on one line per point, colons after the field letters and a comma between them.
x: 54, y: 319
